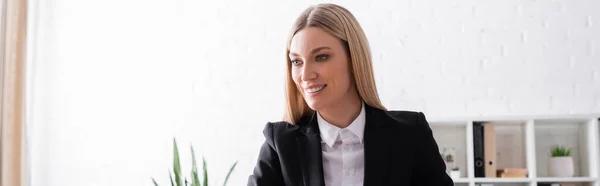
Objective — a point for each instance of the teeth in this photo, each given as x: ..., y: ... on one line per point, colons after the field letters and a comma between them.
x: 316, y: 89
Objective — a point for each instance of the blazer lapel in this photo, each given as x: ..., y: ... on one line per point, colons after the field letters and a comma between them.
x: 309, y: 152
x: 376, y: 147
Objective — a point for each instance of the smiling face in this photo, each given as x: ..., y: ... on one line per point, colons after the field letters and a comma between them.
x: 321, y: 68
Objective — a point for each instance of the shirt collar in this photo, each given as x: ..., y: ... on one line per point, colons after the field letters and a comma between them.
x: 329, y: 132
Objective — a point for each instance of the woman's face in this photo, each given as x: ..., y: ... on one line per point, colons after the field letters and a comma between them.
x: 320, y: 68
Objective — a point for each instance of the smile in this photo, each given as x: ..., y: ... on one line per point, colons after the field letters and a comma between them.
x: 315, y: 89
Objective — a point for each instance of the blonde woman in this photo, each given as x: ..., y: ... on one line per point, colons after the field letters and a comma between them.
x: 336, y: 131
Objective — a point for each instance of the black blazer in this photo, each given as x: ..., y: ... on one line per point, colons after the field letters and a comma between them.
x: 398, y: 145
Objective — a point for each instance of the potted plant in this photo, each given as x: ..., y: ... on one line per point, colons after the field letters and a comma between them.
x: 560, y: 163
x: 455, y: 173
x: 180, y: 180
x: 449, y: 158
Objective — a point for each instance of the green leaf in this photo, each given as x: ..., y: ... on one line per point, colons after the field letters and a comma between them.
x: 179, y: 180
x: 154, y: 181
x: 205, y: 171
x: 195, y: 179
x: 176, y: 164
x: 171, y: 178
x: 560, y: 151
x: 229, y: 173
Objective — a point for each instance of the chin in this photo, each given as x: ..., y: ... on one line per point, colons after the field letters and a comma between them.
x: 313, y: 104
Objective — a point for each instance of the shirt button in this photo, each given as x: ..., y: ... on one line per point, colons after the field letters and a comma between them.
x: 347, y: 148
x: 347, y: 172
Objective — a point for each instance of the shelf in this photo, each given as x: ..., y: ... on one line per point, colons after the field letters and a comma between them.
x: 515, y: 117
x: 449, y: 136
x: 461, y: 180
x: 573, y: 179
x: 525, y: 180
x: 502, y: 180
x: 510, y: 143
x: 447, y: 123
x: 571, y: 133
x: 525, y: 142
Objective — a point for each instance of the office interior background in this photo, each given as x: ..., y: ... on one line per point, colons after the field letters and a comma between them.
x: 109, y: 84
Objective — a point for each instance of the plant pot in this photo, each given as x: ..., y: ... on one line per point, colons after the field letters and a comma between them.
x: 455, y: 174
x: 560, y: 166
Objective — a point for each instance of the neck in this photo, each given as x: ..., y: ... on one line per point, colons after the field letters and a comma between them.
x: 343, y: 113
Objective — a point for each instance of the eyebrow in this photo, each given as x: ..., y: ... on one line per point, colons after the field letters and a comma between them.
x: 313, y: 50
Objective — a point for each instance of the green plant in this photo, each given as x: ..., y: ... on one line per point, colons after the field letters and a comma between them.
x: 195, y: 181
x: 560, y: 151
x: 449, y: 158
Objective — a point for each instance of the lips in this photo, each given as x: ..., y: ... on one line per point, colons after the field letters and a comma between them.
x: 315, y: 89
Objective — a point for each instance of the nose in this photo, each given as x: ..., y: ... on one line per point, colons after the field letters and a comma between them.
x: 308, y: 72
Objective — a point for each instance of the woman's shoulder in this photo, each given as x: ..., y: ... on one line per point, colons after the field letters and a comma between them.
x: 280, y: 125
x: 411, y: 123
x: 407, y: 118
x: 279, y: 129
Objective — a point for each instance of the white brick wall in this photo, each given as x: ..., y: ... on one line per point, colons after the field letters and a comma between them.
x: 111, y: 82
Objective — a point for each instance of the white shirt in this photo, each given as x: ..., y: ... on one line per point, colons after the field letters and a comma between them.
x: 343, y: 151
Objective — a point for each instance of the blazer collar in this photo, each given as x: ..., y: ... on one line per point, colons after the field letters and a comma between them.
x: 309, y: 124
x: 309, y: 152
x: 376, y: 145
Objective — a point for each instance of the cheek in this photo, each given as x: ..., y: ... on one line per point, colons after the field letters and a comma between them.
x: 341, y: 75
x: 296, y: 78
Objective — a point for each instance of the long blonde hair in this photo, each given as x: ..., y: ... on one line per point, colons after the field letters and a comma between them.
x: 339, y: 22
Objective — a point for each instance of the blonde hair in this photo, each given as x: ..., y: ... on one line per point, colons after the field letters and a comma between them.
x: 339, y: 22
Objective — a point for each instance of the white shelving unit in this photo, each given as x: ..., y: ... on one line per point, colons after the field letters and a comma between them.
x: 525, y: 142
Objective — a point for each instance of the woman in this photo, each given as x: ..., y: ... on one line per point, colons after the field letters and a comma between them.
x: 336, y: 131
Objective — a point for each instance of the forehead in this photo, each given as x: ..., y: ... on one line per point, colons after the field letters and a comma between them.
x: 310, y: 38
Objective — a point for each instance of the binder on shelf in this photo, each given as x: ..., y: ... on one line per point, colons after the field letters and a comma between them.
x: 489, y: 143
x: 478, y: 149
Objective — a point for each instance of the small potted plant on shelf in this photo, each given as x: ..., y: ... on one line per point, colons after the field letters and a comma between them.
x: 560, y: 163
x: 455, y: 173
x: 449, y: 158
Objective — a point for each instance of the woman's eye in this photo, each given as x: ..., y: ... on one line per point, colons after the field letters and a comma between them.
x: 322, y: 57
x: 296, y: 62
